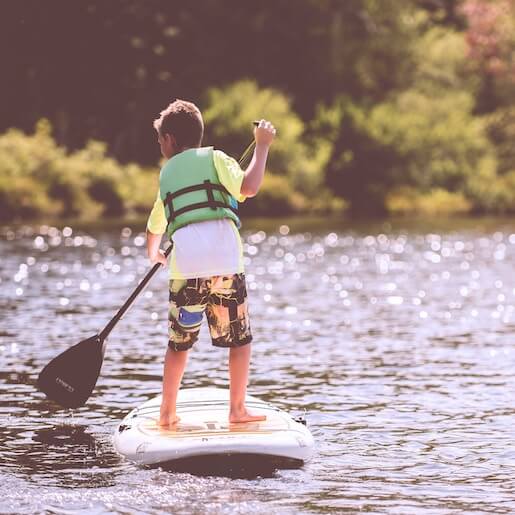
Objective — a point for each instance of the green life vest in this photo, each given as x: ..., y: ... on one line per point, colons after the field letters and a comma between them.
x: 191, y: 190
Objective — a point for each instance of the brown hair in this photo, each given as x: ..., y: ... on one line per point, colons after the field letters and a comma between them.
x: 183, y: 120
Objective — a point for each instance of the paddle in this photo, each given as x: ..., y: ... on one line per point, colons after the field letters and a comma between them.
x: 69, y: 379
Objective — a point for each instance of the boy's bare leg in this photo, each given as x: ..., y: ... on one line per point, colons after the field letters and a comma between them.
x: 175, y: 363
x: 239, y: 361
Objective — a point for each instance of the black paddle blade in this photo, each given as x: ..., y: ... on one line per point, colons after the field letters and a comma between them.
x: 70, y: 378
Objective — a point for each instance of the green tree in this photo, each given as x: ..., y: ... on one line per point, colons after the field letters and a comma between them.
x: 425, y: 137
x: 295, y: 166
x: 229, y: 115
x: 39, y: 178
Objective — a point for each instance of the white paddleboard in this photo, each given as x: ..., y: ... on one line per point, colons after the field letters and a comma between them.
x: 204, y: 432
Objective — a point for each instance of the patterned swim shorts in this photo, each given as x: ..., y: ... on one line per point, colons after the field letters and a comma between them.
x: 224, y: 300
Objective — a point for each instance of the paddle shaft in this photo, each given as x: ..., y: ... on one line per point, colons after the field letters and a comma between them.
x: 110, y: 326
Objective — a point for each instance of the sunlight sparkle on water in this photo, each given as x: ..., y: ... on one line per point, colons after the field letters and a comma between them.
x: 398, y: 343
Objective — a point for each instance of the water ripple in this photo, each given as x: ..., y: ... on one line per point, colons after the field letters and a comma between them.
x: 396, y: 342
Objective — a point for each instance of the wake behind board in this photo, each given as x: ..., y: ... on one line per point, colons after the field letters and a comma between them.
x: 205, y: 437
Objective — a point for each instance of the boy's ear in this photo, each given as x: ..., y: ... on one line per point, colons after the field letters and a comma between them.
x: 170, y: 138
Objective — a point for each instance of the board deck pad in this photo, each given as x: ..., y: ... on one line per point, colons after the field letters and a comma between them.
x: 210, y: 423
x: 204, y: 433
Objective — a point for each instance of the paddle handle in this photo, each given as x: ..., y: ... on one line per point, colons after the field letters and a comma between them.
x: 109, y: 327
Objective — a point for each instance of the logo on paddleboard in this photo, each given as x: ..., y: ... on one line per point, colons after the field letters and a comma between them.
x: 64, y: 384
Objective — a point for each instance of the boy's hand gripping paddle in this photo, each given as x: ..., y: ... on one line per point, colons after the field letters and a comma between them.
x: 69, y: 379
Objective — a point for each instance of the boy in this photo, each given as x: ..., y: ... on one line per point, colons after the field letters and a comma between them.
x: 195, y: 207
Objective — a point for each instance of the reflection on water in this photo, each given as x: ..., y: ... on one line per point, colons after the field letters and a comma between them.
x: 396, y: 338
x: 232, y: 466
x: 60, y: 455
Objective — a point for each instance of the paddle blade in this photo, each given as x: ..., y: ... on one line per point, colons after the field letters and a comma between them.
x: 70, y: 377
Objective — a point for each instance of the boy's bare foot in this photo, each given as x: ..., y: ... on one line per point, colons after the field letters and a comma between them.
x: 244, y: 416
x: 168, y: 420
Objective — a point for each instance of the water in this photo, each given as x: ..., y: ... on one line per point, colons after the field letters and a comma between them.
x: 396, y: 338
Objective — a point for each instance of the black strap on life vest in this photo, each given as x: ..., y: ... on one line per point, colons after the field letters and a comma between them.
x: 211, y: 202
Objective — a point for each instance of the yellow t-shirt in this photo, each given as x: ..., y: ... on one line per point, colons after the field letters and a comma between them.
x: 208, y: 248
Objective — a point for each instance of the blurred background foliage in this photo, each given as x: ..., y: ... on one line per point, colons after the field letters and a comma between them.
x: 382, y: 106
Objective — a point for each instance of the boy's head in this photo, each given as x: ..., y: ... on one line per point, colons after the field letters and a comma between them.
x: 179, y: 126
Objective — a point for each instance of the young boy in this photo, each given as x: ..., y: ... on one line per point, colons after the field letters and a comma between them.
x: 195, y: 207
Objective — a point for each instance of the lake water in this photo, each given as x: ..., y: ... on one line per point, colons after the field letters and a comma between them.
x: 396, y: 338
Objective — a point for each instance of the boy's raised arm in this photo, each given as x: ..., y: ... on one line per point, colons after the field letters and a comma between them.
x: 264, y: 135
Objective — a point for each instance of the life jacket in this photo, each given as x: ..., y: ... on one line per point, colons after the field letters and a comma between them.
x: 191, y: 190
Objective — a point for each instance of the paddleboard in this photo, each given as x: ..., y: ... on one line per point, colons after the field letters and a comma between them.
x: 204, y: 434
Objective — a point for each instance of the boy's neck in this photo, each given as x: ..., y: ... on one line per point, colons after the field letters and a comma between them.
x: 183, y: 149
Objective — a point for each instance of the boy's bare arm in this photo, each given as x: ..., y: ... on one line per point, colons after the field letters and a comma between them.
x: 153, y: 251
x: 264, y: 135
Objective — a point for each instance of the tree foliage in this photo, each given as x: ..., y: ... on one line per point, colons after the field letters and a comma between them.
x: 38, y: 177
x: 374, y: 100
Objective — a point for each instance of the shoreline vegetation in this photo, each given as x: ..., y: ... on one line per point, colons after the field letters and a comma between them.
x: 41, y: 179
x: 136, y: 224
x: 392, y: 108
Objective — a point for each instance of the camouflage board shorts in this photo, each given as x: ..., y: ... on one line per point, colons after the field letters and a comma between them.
x: 224, y: 300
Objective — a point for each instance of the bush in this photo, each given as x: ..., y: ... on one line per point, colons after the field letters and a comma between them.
x: 493, y: 194
x: 229, y: 113
x: 425, y: 137
x: 406, y: 200
x: 29, y: 165
x: 38, y: 178
x: 275, y: 198
x: 501, y: 131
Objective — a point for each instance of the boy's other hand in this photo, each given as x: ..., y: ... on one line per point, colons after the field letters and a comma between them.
x: 159, y: 257
x: 264, y: 133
